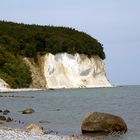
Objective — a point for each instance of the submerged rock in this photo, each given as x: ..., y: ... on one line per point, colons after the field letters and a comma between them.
x: 28, y: 111
x: 97, y: 122
x: 34, y: 128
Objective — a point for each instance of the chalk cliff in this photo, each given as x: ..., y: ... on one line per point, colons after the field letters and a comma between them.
x: 64, y: 70
x: 35, y: 46
x: 3, y: 85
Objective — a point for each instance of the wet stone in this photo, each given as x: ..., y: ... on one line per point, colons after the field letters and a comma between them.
x: 6, y: 111
x: 28, y: 111
x: 9, y: 119
x: 2, y: 118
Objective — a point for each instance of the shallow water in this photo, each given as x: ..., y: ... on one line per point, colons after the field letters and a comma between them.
x: 63, y: 110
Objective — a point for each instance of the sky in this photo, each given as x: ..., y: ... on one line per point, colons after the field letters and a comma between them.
x: 114, y: 23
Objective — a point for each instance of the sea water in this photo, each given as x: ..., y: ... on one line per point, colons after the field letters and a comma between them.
x: 62, y: 111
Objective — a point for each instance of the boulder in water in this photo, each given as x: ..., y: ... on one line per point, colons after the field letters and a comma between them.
x: 97, y: 122
x: 28, y: 111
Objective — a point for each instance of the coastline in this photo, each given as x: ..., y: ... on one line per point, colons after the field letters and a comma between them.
x: 69, y: 108
x: 5, y: 90
x: 14, y: 134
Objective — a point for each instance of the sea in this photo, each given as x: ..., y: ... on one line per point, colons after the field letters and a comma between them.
x: 61, y: 111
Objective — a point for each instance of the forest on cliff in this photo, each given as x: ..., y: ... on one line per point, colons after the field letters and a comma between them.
x: 19, y: 40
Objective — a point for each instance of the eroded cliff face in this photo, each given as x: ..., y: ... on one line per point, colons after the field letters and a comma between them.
x: 66, y: 71
x: 38, y: 79
x: 73, y: 71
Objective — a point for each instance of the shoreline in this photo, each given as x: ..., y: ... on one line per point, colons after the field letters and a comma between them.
x: 13, y: 134
x: 7, y: 133
x: 6, y: 90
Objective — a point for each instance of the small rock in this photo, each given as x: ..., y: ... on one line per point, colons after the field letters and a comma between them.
x: 44, y: 121
x: 51, y: 89
x: 34, y: 128
x: 50, y: 132
x: 97, y: 122
x: 2, y: 118
x: 28, y: 111
x: 9, y: 119
x: 6, y: 111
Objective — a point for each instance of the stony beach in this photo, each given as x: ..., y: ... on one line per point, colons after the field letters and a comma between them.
x: 22, y: 135
x: 17, y: 134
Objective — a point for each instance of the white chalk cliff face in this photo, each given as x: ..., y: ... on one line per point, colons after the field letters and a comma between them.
x: 3, y: 84
x: 73, y: 71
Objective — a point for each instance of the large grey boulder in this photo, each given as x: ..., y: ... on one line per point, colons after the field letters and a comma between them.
x: 97, y: 122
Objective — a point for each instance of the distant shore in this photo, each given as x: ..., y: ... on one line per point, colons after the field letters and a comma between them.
x: 19, y: 89
x: 5, y: 90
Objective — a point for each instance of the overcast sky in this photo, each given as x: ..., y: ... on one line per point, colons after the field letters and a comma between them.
x: 114, y: 23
